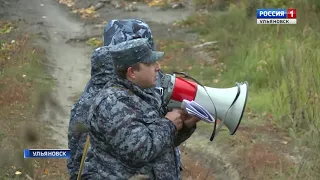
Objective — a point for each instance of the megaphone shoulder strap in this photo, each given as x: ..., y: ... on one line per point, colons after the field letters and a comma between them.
x: 216, y: 131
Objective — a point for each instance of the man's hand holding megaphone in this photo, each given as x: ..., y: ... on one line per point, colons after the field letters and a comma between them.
x: 189, y: 120
x: 181, y: 118
x: 175, y: 117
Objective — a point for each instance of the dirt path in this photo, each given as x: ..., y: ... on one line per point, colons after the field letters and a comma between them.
x: 71, y: 61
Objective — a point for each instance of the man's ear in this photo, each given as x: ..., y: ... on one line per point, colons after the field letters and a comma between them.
x: 130, y: 73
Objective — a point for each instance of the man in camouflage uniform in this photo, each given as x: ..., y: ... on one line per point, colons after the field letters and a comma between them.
x: 102, y: 71
x: 130, y: 133
x: 118, y: 31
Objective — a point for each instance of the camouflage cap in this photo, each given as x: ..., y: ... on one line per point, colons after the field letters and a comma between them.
x: 117, y: 31
x: 134, y: 51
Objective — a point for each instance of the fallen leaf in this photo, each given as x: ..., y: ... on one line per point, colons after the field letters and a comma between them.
x: 5, y: 27
x: 155, y: 3
x: 69, y: 3
x: 94, y: 42
x: 45, y: 171
x: 86, y: 13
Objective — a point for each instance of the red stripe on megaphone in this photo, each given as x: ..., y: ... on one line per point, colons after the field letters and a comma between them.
x: 184, y: 89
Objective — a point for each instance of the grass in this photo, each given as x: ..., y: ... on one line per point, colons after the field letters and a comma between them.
x: 274, y: 59
x: 24, y: 82
x: 280, y: 62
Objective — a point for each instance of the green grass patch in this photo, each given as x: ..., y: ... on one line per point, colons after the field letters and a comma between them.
x: 279, y: 61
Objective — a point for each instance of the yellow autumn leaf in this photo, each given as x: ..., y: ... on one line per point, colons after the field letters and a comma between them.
x: 89, y: 10
x: 5, y: 27
x: 94, y: 42
x: 69, y: 3
x: 156, y: 3
x: 45, y: 171
x: 86, y: 13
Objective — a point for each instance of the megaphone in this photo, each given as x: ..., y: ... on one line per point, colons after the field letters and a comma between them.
x: 229, y: 103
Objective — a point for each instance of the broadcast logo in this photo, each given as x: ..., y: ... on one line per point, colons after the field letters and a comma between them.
x: 47, y: 153
x: 276, y: 16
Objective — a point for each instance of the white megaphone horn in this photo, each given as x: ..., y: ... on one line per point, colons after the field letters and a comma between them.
x: 229, y: 103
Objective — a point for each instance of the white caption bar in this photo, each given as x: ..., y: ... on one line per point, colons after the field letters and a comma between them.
x: 276, y: 21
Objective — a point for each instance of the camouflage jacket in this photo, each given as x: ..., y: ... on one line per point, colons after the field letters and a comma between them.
x: 130, y: 136
x: 101, y: 72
